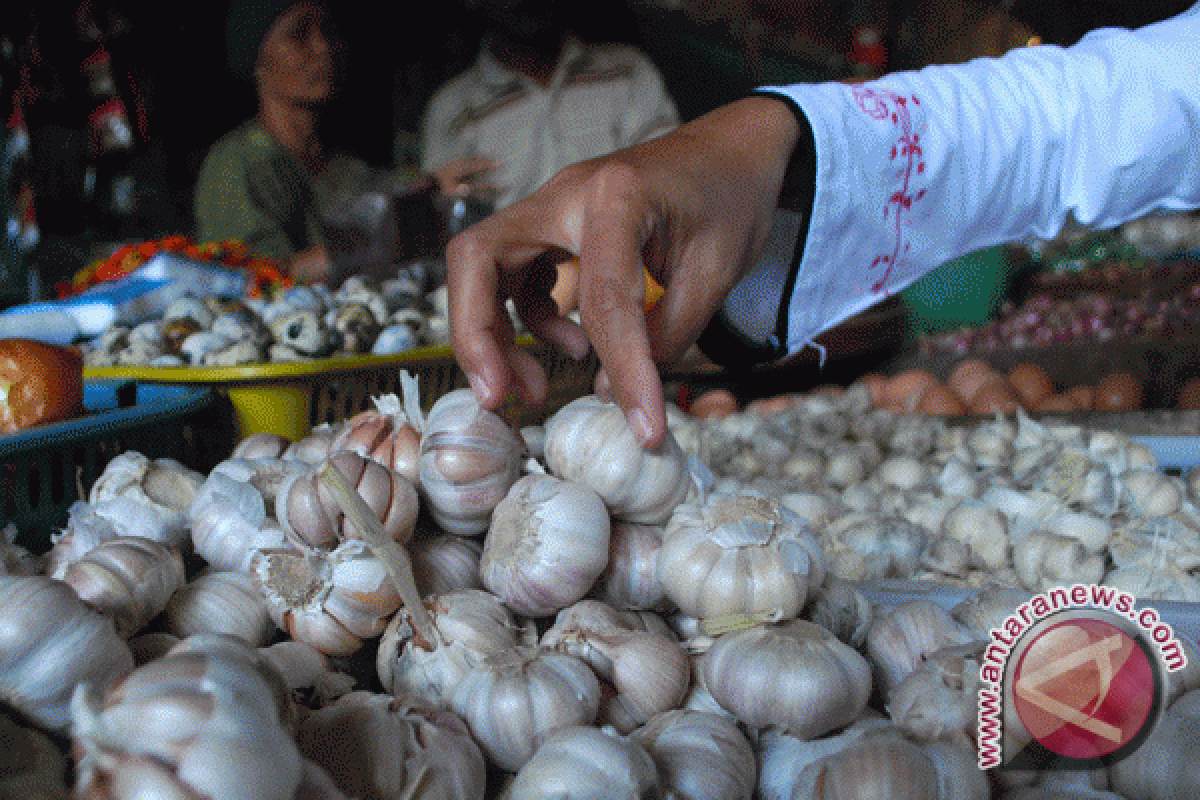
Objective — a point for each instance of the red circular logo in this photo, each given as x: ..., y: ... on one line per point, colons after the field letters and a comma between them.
x: 1084, y: 688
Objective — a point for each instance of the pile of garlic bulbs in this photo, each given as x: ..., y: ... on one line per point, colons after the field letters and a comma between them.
x: 1003, y: 501
x: 301, y: 323
x: 607, y: 622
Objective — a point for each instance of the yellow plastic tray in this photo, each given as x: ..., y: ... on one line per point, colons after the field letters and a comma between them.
x: 291, y: 398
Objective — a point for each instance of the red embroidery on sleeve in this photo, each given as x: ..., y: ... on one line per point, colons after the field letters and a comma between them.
x: 885, y: 105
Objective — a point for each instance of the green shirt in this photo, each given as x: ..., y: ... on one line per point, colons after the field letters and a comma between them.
x: 250, y: 188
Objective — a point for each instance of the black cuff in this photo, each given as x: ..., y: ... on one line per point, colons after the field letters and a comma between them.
x: 719, y: 341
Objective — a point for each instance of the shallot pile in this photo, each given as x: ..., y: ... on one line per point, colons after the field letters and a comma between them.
x: 606, y: 622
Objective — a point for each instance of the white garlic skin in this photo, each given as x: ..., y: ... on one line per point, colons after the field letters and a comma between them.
x: 797, y: 676
x: 589, y: 441
x: 587, y: 764
x: 631, y: 578
x: 520, y: 695
x: 470, y: 624
x: 700, y: 756
x: 200, y: 722
x: 164, y: 488
x: 734, y: 553
x: 899, y: 640
x: 469, y: 458
x: 378, y: 746
x: 50, y: 642
x: 221, y: 602
x: 333, y: 601
x: 444, y: 563
x: 127, y: 578
x: 784, y: 758
x: 547, y: 543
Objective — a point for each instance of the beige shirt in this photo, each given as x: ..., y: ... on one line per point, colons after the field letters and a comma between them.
x: 601, y: 98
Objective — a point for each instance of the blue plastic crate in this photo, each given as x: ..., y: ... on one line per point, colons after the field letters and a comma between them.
x: 43, y: 468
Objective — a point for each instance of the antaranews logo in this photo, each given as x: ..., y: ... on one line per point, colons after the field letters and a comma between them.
x: 1073, y: 678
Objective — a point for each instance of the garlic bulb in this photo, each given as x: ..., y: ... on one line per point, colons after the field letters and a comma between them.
x: 15, y: 559
x: 648, y: 669
x: 585, y: 763
x: 221, y: 602
x: 547, y: 544
x: 700, y: 756
x: 797, y: 676
x: 445, y: 562
x: 880, y: 765
x: 871, y: 546
x: 901, y: 639
x: 842, y: 609
x: 49, y: 642
x: 375, y: 745
x: 1164, y: 766
x: 940, y: 698
x: 331, y: 600
x: 470, y: 624
x: 261, y: 445
x: 631, y: 578
x: 314, y: 448
x: 469, y: 459
x: 229, y: 516
x: 196, y: 723
x: 988, y: 608
x: 738, y: 553
x: 783, y: 757
x: 1043, y: 559
x: 307, y: 511
x: 383, y: 434
x: 517, y: 696
x: 31, y: 766
x: 129, y: 579
x: 163, y: 487
x: 588, y: 441
x: 1150, y: 493
x: 983, y: 529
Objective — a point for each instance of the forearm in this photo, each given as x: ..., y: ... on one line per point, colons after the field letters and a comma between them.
x: 917, y: 168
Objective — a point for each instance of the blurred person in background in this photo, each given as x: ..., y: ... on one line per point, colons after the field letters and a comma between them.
x: 537, y: 99
x: 266, y: 181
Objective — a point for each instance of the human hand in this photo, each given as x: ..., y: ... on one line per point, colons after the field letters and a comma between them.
x: 463, y: 176
x: 692, y: 208
x: 312, y: 265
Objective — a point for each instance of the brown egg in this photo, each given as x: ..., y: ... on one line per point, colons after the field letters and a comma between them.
x: 714, y: 403
x: 995, y: 396
x: 1056, y: 402
x: 876, y: 384
x: 907, y: 387
x: 1189, y: 395
x: 942, y: 400
x: 969, y: 375
x: 1118, y: 391
x: 1083, y: 396
x: 1031, y: 382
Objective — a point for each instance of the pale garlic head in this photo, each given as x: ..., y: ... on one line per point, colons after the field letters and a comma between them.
x: 796, y: 676
x: 469, y: 458
x: 738, y: 553
x: 546, y: 545
x: 200, y: 722
x: 375, y: 745
x: 517, y: 696
x: 700, y: 756
x: 128, y: 578
x: 586, y: 763
x: 631, y: 578
x: 899, y: 640
x: 589, y: 441
x: 221, y: 602
x: 50, y: 642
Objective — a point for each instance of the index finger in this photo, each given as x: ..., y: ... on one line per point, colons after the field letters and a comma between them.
x: 612, y: 290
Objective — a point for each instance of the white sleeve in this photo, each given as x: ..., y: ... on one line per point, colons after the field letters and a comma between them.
x: 917, y: 168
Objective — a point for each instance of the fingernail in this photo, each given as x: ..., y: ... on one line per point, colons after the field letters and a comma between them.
x: 483, y: 392
x: 639, y: 423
